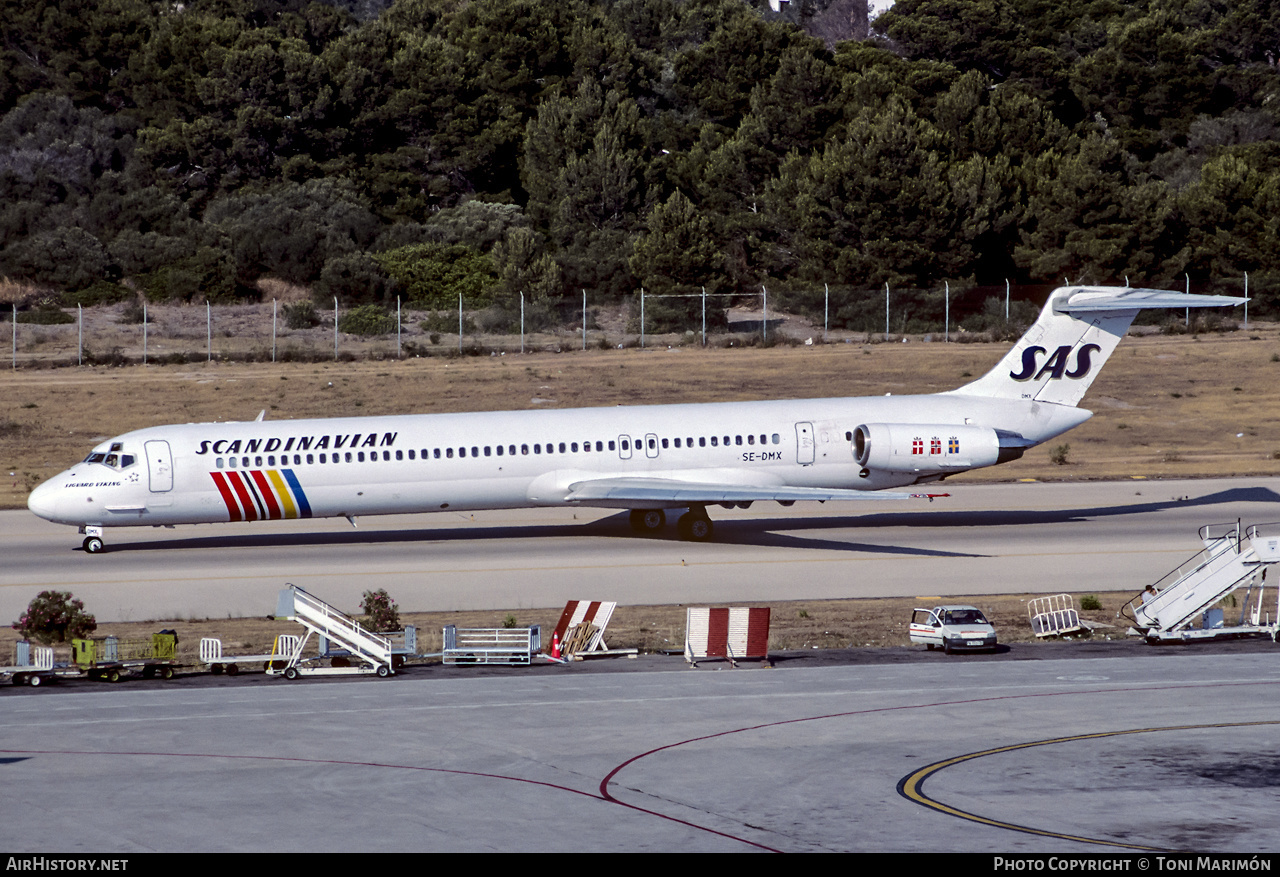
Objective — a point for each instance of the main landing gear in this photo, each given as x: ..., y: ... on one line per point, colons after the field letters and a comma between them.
x: 693, y: 526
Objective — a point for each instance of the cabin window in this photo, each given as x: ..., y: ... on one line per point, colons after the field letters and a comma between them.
x: 751, y: 440
x: 524, y: 449
x: 436, y: 453
x: 359, y: 456
x: 499, y: 449
x: 702, y: 441
x: 562, y: 447
x: 219, y: 462
x: 664, y: 443
x: 511, y: 450
x: 310, y: 459
x: 626, y: 446
x: 737, y: 440
x: 714, y: 442
x: 488, y: 451
x: 537, y: 449
x: 400, y: 455
x: 776, y: 439
x: 475, y: 452
x: 448, y: 452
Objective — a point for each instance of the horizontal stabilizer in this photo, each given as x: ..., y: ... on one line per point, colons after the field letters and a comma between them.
x: 670, y: 493
x: 1093, y: 299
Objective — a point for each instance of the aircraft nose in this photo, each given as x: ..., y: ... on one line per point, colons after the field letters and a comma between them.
x: 43, y: 501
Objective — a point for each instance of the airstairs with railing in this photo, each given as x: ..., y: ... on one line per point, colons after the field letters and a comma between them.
x: 368, y: 653
x: 1232, y: 558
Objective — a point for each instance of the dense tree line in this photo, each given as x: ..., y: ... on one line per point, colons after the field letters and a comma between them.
x: 501, y: 147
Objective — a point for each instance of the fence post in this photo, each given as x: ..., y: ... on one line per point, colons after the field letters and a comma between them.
x: 275, y: 310
x: 704, y: 316
x: 144, y: 330
x: 398, y: 331
x: 80, y: 336
x: 764, y: 323
x: 1246, y: 301
x: 1187, y: 324
x: 15, y: 336
x: 642, y: 318
x: 946, y: 330
x: 584, y: 319
x: 335, y: 328
x: 208, y: 329
x: 459, y: 324
x: 1006, y: 299
x: 826, y: 311
x: 886, y: 310
x: 522, y: 321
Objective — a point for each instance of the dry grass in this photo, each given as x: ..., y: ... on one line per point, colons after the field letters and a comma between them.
x: 827, y: 624
x: 1167, y: 407
x: 20, y: 293
x: 273, y: 288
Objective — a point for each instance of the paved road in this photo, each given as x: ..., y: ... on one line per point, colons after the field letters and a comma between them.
x: 983, y: 539
x: 1168, y: 749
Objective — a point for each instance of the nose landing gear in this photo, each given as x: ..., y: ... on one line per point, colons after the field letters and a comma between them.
x: 92, y: 543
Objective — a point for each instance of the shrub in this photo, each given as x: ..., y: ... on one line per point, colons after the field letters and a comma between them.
x: 1090, y: 601
x: 367, y: 320
x: 300, y: 315
x: 381, y: 610
x: 55, y: 616
x: 1058, y: 455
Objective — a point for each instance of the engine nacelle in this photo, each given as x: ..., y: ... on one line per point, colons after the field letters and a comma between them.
x: 927, y: 447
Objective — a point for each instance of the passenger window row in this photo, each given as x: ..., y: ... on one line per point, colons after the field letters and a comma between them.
x: 625, y: 444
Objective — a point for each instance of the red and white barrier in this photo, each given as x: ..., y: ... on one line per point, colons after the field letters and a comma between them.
x: 735, y: 633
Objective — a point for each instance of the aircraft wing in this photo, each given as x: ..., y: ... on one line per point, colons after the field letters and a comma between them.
x: 627, y: 492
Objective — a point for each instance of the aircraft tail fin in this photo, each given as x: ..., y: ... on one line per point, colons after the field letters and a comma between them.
x: 1063, y: 351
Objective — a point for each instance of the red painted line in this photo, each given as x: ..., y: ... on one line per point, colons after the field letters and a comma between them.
x: 233, y: 508
x: 264, y: 487
x: 250, y: 508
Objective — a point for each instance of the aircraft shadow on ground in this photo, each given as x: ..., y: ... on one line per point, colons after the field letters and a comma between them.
x: 780, y: 532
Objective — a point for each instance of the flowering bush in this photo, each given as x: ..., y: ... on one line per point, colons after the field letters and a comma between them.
x: 55, y: 616
x: 381, y: 610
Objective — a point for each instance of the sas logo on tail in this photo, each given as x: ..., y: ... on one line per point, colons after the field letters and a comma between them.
x: 1056, y: 365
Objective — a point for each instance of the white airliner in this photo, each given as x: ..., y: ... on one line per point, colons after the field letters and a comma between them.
x: 648, y: 459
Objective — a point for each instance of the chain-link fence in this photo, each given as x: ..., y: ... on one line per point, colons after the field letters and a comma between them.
x: 138, y: 332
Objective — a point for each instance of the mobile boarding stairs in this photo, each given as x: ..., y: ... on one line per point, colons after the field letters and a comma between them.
x: 368, y: 653
x: 1232, y: 558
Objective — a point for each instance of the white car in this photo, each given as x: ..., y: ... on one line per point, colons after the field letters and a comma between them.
x: 952, y: 629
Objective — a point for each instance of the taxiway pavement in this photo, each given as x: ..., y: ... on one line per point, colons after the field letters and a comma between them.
x: 1167, y: 753
x: 983, y: 539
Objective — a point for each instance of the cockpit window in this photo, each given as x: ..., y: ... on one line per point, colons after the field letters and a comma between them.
x: 114, y: 460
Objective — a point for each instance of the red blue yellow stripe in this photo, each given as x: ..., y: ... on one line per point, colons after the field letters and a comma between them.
x: 258, y: 494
